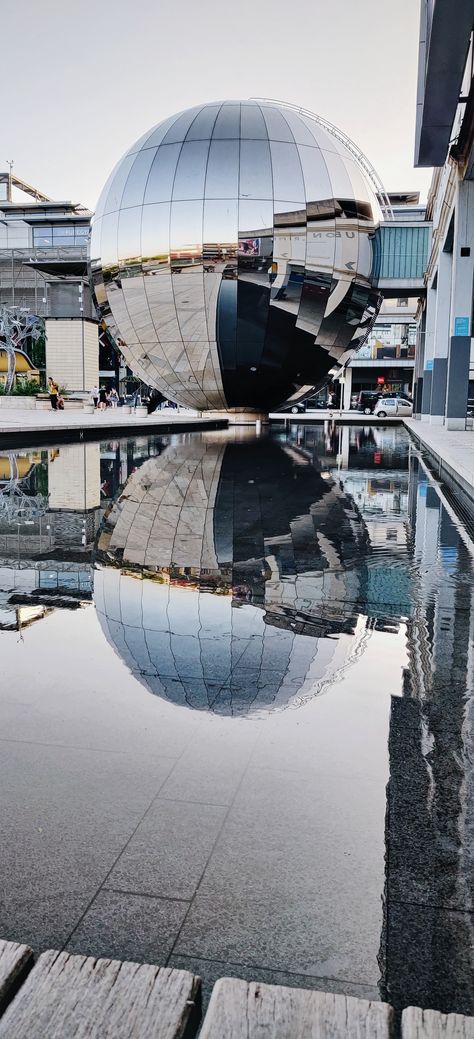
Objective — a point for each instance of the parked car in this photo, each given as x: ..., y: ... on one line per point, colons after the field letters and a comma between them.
x: 366, y: 400
x: 310, y: 404
x: 392, y: 406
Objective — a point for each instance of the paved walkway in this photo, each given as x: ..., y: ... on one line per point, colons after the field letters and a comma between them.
x: 454, y: 449
x: 65, y: 424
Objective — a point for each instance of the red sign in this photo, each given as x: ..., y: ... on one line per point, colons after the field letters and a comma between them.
x: 380, y: 380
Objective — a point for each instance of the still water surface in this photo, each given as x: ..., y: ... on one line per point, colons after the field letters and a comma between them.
x: 236, y: 709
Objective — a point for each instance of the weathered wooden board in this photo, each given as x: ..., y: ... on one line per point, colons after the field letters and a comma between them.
x: 78, y: 997
x: 430, y: 1024
x: 246, y: 1010
x: 15, y: 962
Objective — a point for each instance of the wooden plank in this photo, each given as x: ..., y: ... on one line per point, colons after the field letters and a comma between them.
x: 74, y: 997
x: 243, y: 1010
x: 15, y: 962
x: 430, y: 1024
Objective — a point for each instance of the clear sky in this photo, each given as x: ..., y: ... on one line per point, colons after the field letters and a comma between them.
x: 84, y: 80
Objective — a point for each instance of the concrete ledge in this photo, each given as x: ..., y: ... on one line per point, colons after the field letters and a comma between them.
x: 27, y: 428
x: 451, y: 452
x: 17, y: 403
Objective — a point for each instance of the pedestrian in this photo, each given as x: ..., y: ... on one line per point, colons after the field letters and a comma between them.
x: 102, y: 398
x: 95, y: 395
x: 113, y: 397
x: 53, y: 390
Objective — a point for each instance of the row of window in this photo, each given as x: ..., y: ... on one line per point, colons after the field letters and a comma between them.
x: 47, y: 235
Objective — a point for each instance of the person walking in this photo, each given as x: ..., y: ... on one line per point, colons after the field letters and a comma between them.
x: 113, y: 397
x: 95, y: 395
x: 102, y: 398
x: 53, y: 390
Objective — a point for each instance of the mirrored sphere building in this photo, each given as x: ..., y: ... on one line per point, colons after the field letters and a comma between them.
x: 228, y: 576
x: 231, y: 255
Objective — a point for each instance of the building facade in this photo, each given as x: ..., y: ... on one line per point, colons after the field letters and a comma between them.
x: 43, y: 272
x: 444, y: 370
x: 386, y: 361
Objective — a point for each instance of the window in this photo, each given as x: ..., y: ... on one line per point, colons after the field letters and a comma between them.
x: 47, y: 236
x: 402, y: 302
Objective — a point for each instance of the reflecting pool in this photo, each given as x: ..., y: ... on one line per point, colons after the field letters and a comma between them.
x: 237, y: 709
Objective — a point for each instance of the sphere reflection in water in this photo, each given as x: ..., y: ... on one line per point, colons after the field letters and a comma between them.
x: 231, y: 255
x: 225, y: 573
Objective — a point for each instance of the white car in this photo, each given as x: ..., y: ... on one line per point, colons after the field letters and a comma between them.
x: 392, y: 406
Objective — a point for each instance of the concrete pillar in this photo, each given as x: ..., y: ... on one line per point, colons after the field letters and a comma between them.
x: 344, y: 444
x: 461, y: 307
x: 347, y: 389
x: 72, y: 352
x: 458, y: 382
x: 428, y: 353
x: 419, y: 365
x: 74, y: 478
x: 441, y: 339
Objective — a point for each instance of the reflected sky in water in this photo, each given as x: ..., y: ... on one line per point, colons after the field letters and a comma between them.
x: 237, y: 709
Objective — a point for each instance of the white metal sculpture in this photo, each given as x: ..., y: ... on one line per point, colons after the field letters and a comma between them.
x: 17, y: 325
x: 17, y: 505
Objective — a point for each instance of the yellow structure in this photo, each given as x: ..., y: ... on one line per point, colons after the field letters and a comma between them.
x: 24, y: 368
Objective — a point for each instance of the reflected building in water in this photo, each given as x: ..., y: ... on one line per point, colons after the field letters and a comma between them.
x: 240, y: 576
x: 427, y: 949
x: 235, y: 575
x: 51, y: 505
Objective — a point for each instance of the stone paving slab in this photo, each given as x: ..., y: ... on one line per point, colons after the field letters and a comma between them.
x: 454, y: 449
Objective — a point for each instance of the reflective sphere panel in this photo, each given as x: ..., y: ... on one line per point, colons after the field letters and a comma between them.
x: 231, y: 255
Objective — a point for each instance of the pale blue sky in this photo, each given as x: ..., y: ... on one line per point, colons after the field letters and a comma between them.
x: 85, y: 80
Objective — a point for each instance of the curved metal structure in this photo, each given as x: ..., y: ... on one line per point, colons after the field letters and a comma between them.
x: 359, y: 155
x: 231, y: 254
x: 219, y: 597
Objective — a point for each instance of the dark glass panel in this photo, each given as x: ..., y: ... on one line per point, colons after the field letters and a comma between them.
x: 63, y: 231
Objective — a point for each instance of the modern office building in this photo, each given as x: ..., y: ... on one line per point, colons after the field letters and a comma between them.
x: 43, y: 272
x: 386, y: 361
x: 444, y: 371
